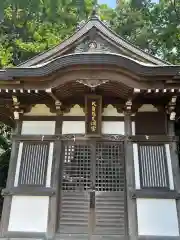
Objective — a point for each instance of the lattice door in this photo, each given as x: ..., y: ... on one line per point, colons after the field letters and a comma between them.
x: 76, y: 182
x: 110, y: 190
x: 93, y: 190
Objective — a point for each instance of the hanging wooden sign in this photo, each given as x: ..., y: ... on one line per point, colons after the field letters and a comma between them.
x: 93, y: 108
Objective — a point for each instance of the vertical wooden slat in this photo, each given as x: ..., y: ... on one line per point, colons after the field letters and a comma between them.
x: 33, y: 164
x: 153, y: 166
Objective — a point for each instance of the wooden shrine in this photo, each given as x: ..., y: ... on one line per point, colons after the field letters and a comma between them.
x: 94, y: 152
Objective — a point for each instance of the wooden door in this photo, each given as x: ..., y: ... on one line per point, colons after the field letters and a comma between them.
x: 93, y: 189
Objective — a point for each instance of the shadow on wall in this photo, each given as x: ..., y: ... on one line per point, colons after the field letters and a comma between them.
x: 177, y: 132
x: 5, y: 152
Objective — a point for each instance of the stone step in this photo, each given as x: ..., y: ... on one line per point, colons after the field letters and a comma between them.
x: 86, y: 237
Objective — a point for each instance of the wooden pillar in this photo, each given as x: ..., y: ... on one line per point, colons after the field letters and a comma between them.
x: 54, y: 200
x: 175, y: 165
x: 10, y: 181
x: 130, y: 179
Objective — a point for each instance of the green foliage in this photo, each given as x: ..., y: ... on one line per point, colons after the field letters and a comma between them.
x: 5, y: 151
x: 153, y: 27
x: 29, y: 27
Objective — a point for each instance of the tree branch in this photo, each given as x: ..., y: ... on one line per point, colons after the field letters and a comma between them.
x: 174, y: 4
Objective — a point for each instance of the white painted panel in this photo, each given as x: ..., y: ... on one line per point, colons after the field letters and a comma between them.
x: 29, y: 214
x: 136, y: 166
x: 18, y: 164
x: 40, y: 110
x: 73, y: 127
x: 49, y: 168
x: 133, y: 128
x: 157, y: 217
x: 147, y: 108
x: 110, y: 110
x: 169, y: 164
x: 38, y: 127
x: 113, y: 128
x: 76, y: 110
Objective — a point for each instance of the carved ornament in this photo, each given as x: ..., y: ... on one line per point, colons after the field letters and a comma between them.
x: 16, y: 108
x: 58, y: 106
x: 128, y: 106
x: 110, y: 137
x: 171, y: 108
x: 113, y: 137
x: 72, y: 136
x: 92, y: 83
x: 92, y: 46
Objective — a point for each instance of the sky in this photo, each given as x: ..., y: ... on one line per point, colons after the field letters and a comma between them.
x: 112, y: 3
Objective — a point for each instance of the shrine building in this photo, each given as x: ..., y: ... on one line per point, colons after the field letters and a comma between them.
x: 94, y: 150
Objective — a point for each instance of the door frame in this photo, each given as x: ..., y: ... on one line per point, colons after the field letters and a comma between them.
x: 79, y: 139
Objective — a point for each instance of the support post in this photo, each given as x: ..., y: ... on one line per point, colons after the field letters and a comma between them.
x: 10, y: 181
x: 54, y: 200
x: 130, y: 180
x: 175, y: 165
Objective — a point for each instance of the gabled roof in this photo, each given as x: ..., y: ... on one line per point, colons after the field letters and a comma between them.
x: 106, y: 33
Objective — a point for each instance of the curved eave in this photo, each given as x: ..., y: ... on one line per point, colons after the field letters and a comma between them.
x: 102, y: 59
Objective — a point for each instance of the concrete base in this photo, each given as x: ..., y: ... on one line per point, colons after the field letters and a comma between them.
x: 85, y: 237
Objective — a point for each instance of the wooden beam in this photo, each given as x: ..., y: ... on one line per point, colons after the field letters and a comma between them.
x: 153, y: 139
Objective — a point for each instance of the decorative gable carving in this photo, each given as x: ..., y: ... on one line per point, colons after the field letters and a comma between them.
x: 92, y: 46
x: 92, y: 83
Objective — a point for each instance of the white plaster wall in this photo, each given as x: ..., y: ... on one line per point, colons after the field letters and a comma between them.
x: 38, y: 128
x: 18, y: 164
x: 113, y: 128
x: 74, y: 127
x: 133, y: 128
x: 136, y: 166
x: 157, y: 217
x: 169, y: 164
x: 49, y: 168
x: 29, y: 214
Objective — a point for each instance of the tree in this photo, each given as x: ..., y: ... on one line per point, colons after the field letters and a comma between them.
x: 31, y: 27
x: 153, y: 27
x: 5, y: 152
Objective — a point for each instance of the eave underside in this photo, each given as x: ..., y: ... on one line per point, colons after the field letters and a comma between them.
x: 72, y: 93
x: 70, y: 84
